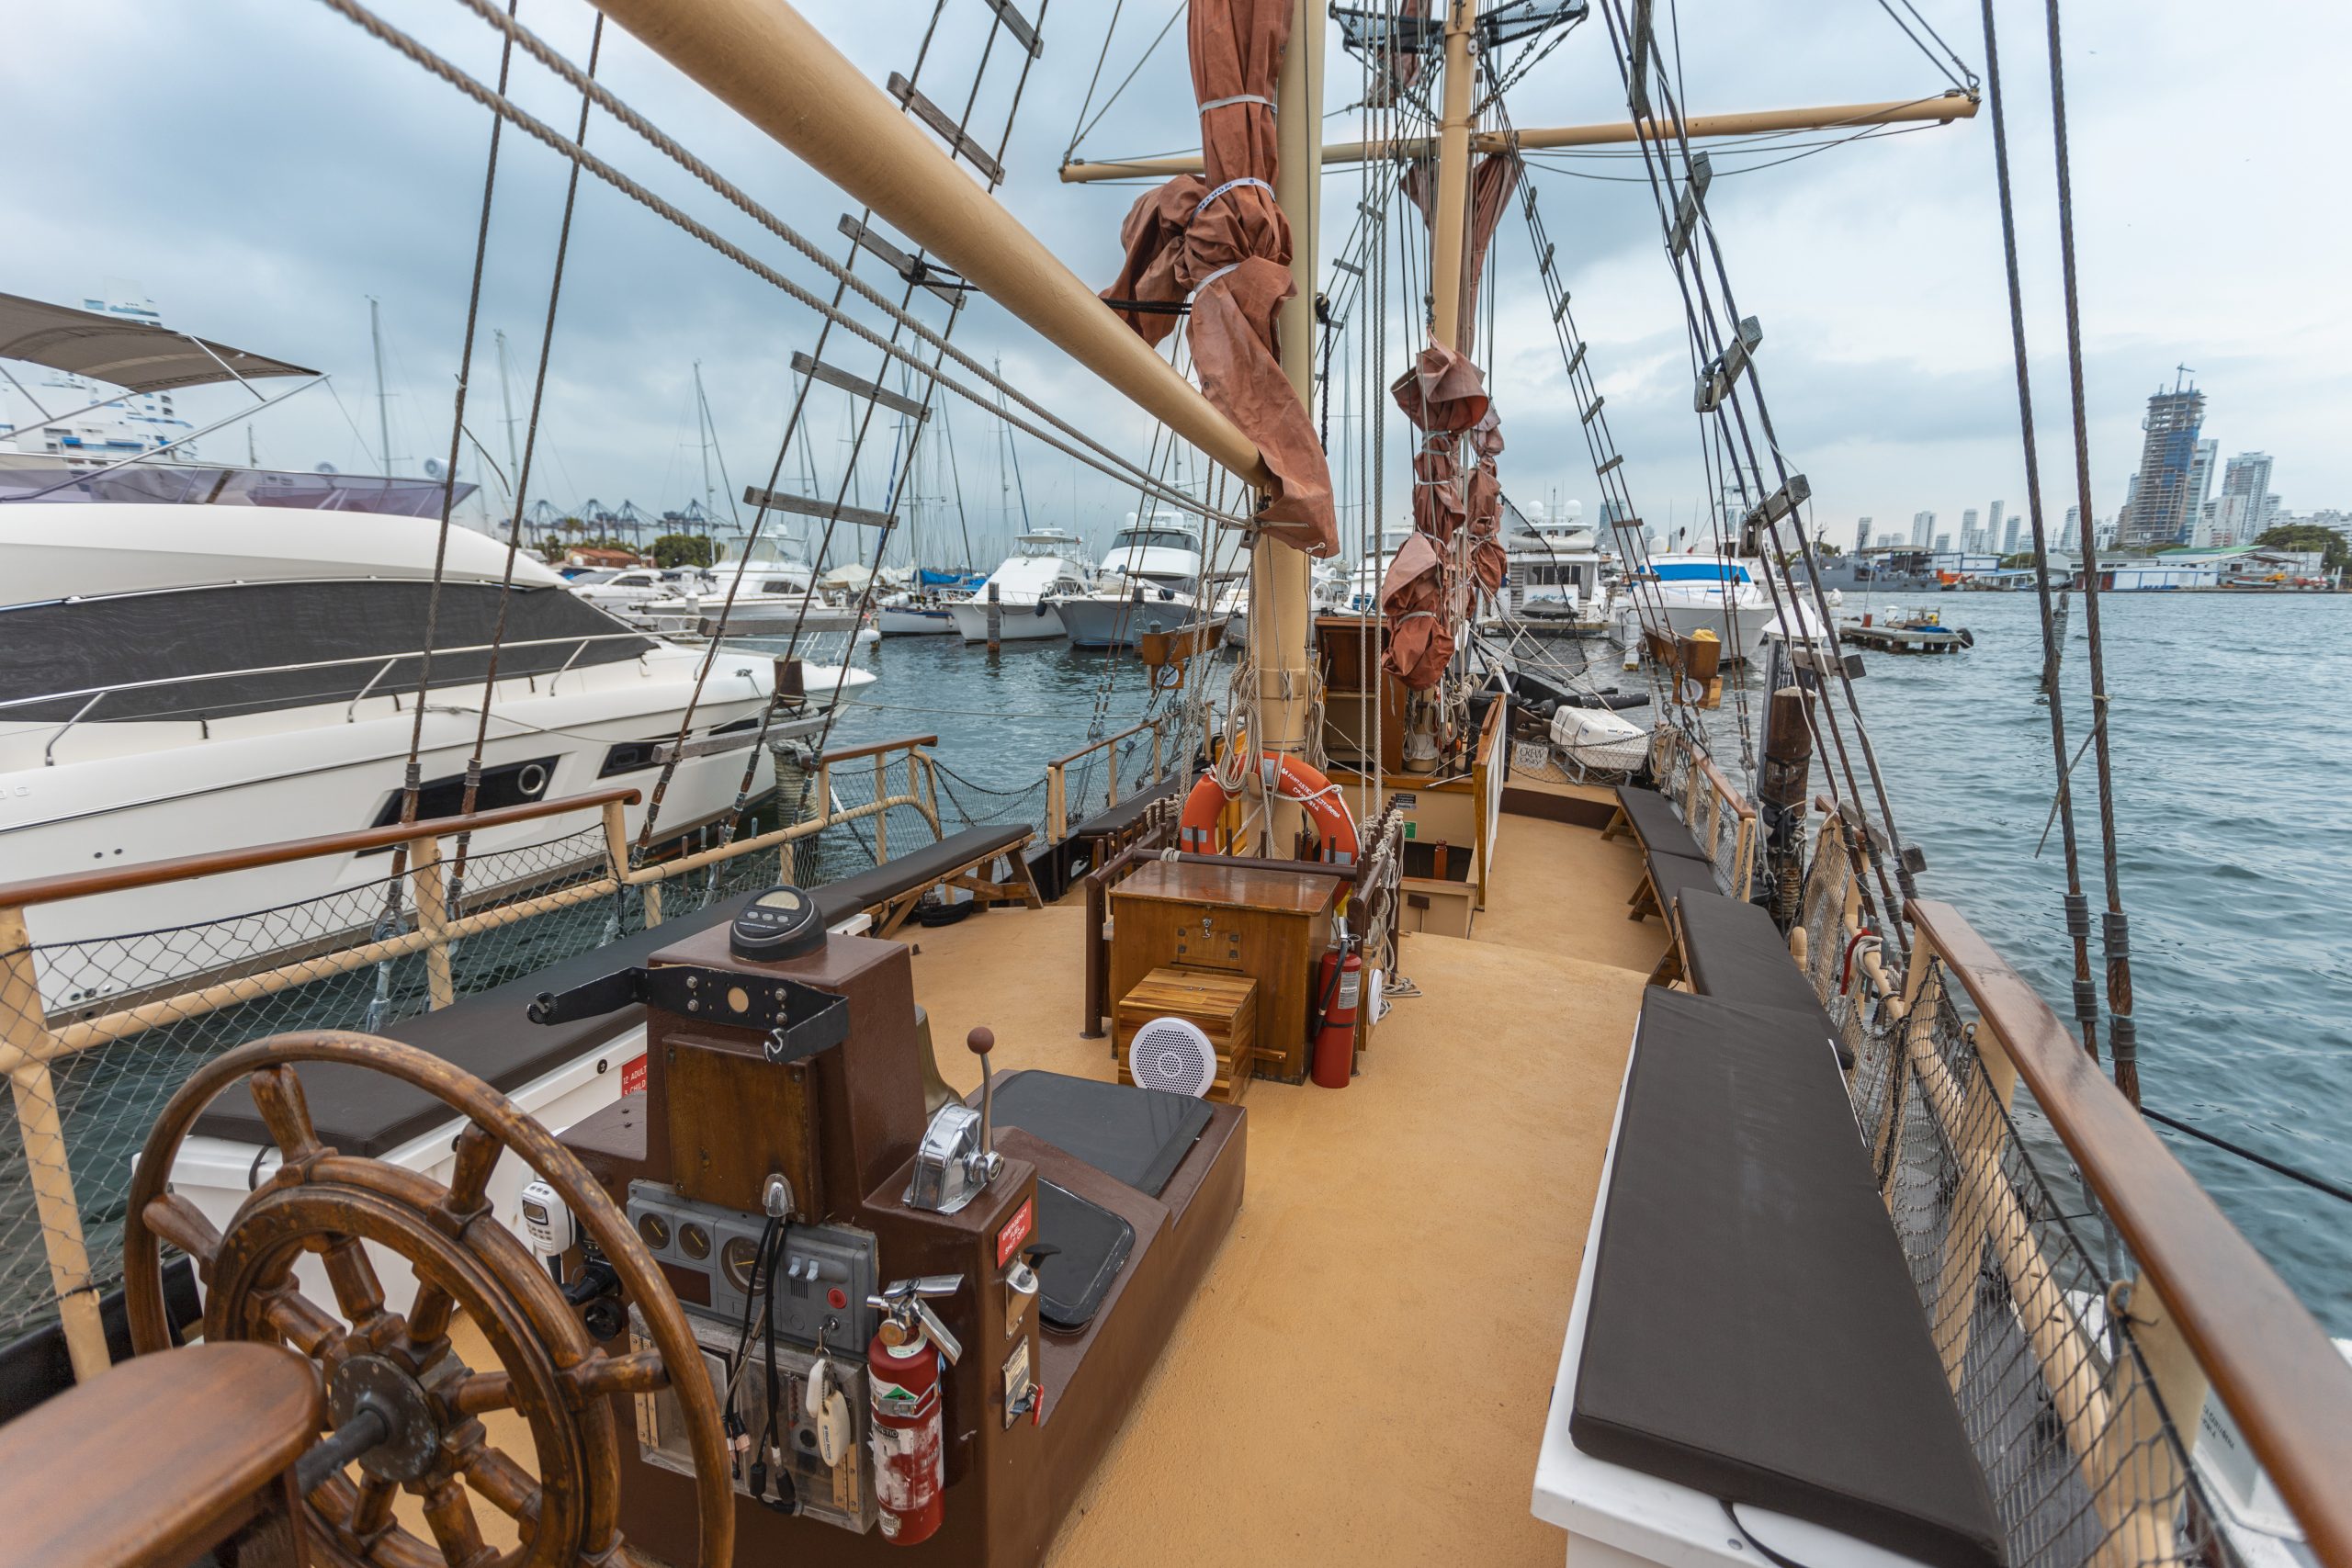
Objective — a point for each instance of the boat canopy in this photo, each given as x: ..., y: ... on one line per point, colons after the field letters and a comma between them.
x: 1701, y: 570
x: 135, y: 354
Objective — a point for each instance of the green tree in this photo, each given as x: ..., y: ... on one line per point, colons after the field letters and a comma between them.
x: 683, y: 549
x: 2334, y: 551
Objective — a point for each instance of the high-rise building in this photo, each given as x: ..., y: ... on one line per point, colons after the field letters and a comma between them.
x: 1861, y: 536
x: 1943, y: 543
x: 2200, y: 480
x: 1968, y: 530
x: 1993, y: 526
x: 1923, y: 529
x: 2245, y: 486
x: 2159, y: 515
x: 2009, y: 539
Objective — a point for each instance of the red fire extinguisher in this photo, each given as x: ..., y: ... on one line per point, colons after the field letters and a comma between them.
x: 1338, y: 983
x: 902, y: 1365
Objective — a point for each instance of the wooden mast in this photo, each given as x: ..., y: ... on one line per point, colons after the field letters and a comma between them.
x: 1281, y: 578
x: 1941, y: 110
x: 764, y: 60
x: 1451, y: 215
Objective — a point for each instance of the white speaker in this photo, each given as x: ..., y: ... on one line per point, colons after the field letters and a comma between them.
x: 1173, y: 1054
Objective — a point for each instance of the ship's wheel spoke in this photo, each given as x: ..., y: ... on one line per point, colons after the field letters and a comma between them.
x: 640, y: 1371
x: 508, y: 1485
x: 278, y: 1095
x: 477, y: 1153
x: 357, y: 1289
x: 429, y: 1314
x: 307, y: 1325
x: 371, y: 1506
x: 182, y: 1224
x: 478, y: 1392
x: 451, y: 1517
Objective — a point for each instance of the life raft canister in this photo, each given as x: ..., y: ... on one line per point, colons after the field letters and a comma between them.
x: 1335, y: 830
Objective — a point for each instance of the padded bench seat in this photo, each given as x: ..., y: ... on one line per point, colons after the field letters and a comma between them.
x: 891, y: 891
x: 1734, y: 952
x: 487, y: 1033
x: 1749, y: 1329
x: 1663, y: 879
x: 1655, y: 827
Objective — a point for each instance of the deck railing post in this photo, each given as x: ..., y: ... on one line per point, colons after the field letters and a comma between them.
x: 431, y: 918
x: 882, y: 815
x: 24, y: 1026
x: 930, y: 790
x: 2147, y: 1483
x: 1159, y: 728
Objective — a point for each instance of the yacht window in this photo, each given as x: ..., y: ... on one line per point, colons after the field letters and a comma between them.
x: 511, y: 783
x: 779, y: 585
x: 1155, y: 538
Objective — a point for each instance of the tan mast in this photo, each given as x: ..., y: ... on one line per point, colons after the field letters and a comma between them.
x: 764, y: 60
x: 1940, y: 110
x: 1452, y: 209
x: 1280, y: 577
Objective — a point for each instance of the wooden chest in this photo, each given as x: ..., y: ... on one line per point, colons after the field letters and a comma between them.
x: 1268, y: 926
x: 1223, y: 1005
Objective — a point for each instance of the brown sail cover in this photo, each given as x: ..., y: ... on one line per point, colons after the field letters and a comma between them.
x: 1491, y: 184
x: 1222, y: 239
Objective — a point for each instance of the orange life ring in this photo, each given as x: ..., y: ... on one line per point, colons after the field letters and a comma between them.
x: 1335, y: 828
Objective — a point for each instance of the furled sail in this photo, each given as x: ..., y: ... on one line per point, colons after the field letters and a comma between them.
x: 1222, y: 239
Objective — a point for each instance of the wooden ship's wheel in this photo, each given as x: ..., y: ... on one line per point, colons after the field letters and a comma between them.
x: 405, y: 1408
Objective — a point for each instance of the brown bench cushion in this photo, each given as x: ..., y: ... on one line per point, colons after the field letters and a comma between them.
x: 1753, y: 1331
x: 1735, y: 952
x: 904, y: 874
x: 1671, y: 876
x: 1661, y: 832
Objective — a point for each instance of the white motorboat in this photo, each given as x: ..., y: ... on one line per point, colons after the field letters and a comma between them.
x: 1334, y: 589
x: 1044, y: 566
x: 233, y: 675
x: 775, y: 594
x: 1697, y: 592
x: 1558, y: 578
x: 623, y: 590
x: 1149, y: 582
x: 913, y: 613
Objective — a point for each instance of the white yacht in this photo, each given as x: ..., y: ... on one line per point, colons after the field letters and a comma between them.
x: 1044, y: 566
x: 775, y: 591
x: 215, y: 675
x: 1714, y: 594
x: 1559, y: 577
x: 626, y: 589
x: 1149, y: 582
x: 1332, y: 587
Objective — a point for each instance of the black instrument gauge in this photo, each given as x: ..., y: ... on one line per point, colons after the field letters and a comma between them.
x: 781, y: 923
x: 737, y: 1259
x: 655, y: 1230
x: 693, y: 1241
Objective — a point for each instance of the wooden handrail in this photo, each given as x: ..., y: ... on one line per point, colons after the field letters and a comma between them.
x: 121, y: 879
x: 851, y: 753
x: 2272, y: 1365
x: 1722, y: 787
x: 1106, y: 740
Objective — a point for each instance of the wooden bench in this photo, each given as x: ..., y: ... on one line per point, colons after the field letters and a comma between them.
x: 890, y: 891
x: 1746, y: 1355
x: 1649, y: 817
x: 159, y: 1460
x: 1666, y: 877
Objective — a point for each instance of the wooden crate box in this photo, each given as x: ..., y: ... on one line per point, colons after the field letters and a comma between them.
x: 1223, y: 1005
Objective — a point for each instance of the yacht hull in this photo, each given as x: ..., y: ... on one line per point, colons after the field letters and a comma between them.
x: 1016, y: 622
x: 1739, y: 643
x: 1105, y: 621
x: 907, y: 620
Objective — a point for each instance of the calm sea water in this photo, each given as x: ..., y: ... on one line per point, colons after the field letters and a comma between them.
x: 2227, y: 736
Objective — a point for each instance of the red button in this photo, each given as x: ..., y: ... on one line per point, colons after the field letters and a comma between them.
x: 836, y: 1297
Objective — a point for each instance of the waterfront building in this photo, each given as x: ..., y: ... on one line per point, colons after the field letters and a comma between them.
x: 2158, y: 513
x: 1943, y: 543
x: 1923, y: 529
x: 2246, y: 493
x: 2201, y: 481
x: 2009, y: 539
x: 1968, y: 540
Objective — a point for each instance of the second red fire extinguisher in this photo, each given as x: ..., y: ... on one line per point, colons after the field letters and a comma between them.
x: 1338, y: 985
x: 902, y: 1367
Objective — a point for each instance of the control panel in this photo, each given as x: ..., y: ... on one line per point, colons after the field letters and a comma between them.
x: 821, y: 1464
x: 823, y: 1273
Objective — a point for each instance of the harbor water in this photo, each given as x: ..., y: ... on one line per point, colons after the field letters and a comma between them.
x: 2237, y: 878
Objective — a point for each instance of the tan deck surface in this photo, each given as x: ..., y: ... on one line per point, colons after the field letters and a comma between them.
x: 1316, y: 1404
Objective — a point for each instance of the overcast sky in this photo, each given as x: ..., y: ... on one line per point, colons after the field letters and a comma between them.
x: 261, y: 167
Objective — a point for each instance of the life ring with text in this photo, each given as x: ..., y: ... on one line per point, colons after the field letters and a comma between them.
x: 1335, y: 828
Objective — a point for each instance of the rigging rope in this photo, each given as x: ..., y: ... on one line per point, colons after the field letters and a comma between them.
x: 2077, y: 908
x: 2115, y: 936
x: 1097, y: 455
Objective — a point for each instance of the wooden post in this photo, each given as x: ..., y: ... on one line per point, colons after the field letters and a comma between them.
x: 1111, y: 766
x: 1056, y: 808
x: 1157, y: 727
x: 1450, y: 212
x: 432, y: 917
x: 996, y: 619
x: 881, y: 817
x: 2145, y: 1488
x: 617, y: 839
x: 930, y: 790
x: 25, y: 1026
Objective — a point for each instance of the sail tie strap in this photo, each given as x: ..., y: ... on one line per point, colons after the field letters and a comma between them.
x: 1236, y: 98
